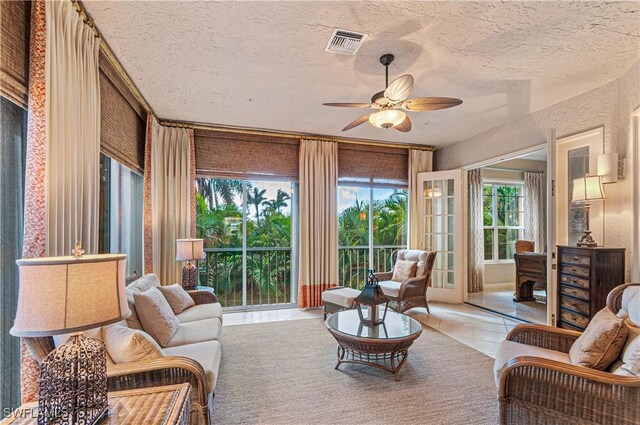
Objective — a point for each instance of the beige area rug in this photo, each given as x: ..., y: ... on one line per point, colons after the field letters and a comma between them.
x: 283, y: 373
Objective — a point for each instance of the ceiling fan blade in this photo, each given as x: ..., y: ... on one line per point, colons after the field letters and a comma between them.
x: 349, y: 105
x: 357, y: 122
x: 430, y: 103
x: 404, y: 126
x: 400, y: 88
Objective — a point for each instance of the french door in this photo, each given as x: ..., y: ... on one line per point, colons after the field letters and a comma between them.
x: 440, y: 229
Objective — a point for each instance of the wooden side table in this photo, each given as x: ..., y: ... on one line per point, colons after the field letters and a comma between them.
x: 167, y: 405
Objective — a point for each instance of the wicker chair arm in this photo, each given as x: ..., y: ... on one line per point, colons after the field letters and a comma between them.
x: 162, y: 371
x: 201, y: 296
x: 564, y: 390
x: 542, y: 336
x: 413, y: 284
x: 614, y: 298
x: 384, y: 275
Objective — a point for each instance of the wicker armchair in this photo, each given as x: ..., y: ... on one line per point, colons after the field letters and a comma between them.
x: 152, y: 373
x: 535, y: 390
x: 413, y: 291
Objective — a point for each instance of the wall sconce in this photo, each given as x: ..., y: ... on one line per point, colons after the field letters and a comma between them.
x: 610, y: 167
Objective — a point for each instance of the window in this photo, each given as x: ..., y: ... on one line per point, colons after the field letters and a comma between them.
x: 503, y: 219
x: 13, y: 128
x: 121, y: 197
x: 372, y: 223
x: 250, y: 241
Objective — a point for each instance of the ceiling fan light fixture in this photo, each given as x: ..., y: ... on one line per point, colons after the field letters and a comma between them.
x: 387, y: 118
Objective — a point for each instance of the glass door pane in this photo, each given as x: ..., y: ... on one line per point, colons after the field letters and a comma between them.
x: 269, y: 243
x: 219, y: 211
x: 353, y: 235
x: 389, y: 225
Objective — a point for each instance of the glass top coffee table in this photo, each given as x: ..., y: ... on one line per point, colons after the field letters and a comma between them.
x: 385, y: 346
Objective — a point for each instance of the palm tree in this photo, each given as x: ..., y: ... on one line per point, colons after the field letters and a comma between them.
x: 256, y: 198
x: 216, y: 190
x: 280, y: 202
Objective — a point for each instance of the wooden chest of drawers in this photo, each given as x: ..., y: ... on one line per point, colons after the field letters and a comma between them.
x: 585, y: 277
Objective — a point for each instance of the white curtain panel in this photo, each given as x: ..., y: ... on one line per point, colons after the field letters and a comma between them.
x: 419, y: 162
x: 534, y: 224
x: 170, y: 198
x: 475, y: 246
x: 73, y: 131
x: 318, y: 220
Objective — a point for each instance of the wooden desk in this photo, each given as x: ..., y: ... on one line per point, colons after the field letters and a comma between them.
x: 531, y: 268
x: 167, y: 405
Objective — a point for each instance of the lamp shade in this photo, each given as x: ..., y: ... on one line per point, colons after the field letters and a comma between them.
x: 189, y: 249
x: 587, y: 188
x: 387, y: 118
x: 60, y: 295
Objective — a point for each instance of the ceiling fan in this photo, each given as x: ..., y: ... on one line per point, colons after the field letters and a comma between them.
x: 392, y: 103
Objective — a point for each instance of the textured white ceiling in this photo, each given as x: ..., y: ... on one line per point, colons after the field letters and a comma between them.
x: 263, y: 64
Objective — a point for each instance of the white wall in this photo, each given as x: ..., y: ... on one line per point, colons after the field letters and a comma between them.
x: 609, y: 105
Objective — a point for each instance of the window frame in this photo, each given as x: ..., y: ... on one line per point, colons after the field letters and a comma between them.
x: 495, y: 183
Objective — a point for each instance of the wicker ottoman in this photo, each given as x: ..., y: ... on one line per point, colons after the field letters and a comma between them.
x: 338, y: 298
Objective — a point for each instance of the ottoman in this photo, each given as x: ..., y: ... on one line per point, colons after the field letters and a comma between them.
x: 338, y: 298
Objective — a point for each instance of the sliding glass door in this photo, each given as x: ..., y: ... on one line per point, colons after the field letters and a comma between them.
x: 249, y: 231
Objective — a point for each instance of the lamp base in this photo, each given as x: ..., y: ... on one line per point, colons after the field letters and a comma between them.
x: 73, y: 383
x: 587, y: 240
x: 189, y: 277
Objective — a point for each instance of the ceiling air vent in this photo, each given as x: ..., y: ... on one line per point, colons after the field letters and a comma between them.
x: 345, y: 42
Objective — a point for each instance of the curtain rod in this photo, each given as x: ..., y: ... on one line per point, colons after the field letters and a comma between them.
x: 290, y: 135
x: 519, y: 170
x: 85, y: 17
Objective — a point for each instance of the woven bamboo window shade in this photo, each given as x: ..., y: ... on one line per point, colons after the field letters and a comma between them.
x: 372, y: 165
x: 14, y: 50
x: 246, y: 156
x: 122, y: 119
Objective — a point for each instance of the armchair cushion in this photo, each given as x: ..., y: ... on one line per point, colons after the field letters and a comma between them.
x: 404, y: 269
x: 630, y: 307
x: 390, y: 288
x: 156, y: 315
x: 126, y: 345
x: 201, y: 312
x: 415, y: 255
x: 508, y: 350
x: 629, y: 363
x: 601, y: 342
x: 177, y: 297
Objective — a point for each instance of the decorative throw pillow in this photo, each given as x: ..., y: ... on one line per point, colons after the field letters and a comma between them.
x: 126, y: 345
x: 630, y: 356
x: 601, y: 342
x: 156, y: 315
x: 177, y: 297
x: 404, y: 269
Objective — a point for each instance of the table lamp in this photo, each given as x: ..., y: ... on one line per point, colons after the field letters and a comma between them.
x: 62, y: 295
x: 587, y: 189
x: 189, y: 250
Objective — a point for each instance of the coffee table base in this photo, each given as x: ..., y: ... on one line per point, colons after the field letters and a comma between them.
x: 391, y: 362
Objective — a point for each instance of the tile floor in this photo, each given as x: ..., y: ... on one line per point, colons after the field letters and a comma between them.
x: 472, y: 326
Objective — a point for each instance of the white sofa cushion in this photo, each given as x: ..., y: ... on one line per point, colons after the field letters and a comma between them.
x: 201, y: 312
x: 156, y: 315
x: 206, y: 353
x: 126, y: 345
x: 194, y: 332
x: 508, y: 350
x: 177, y: 297
x: 138, y: 286
x: 390, y: 288
x: 343, y: 296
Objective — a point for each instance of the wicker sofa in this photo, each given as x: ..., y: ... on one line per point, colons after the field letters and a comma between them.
x: 541, y: 387
x: 192, y: 356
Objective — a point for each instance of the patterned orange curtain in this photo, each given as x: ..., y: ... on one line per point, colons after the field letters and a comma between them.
x: 34, y: 207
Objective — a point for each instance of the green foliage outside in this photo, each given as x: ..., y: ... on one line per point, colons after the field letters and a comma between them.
x: 508, y: 214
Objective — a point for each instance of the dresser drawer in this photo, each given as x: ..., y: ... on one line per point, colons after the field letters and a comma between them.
x: 574, y: 292
x: 575, y: 305
x: 574, y: 281
x: 581, y: 260
x: 574, y: 318
x: 575, y: 270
